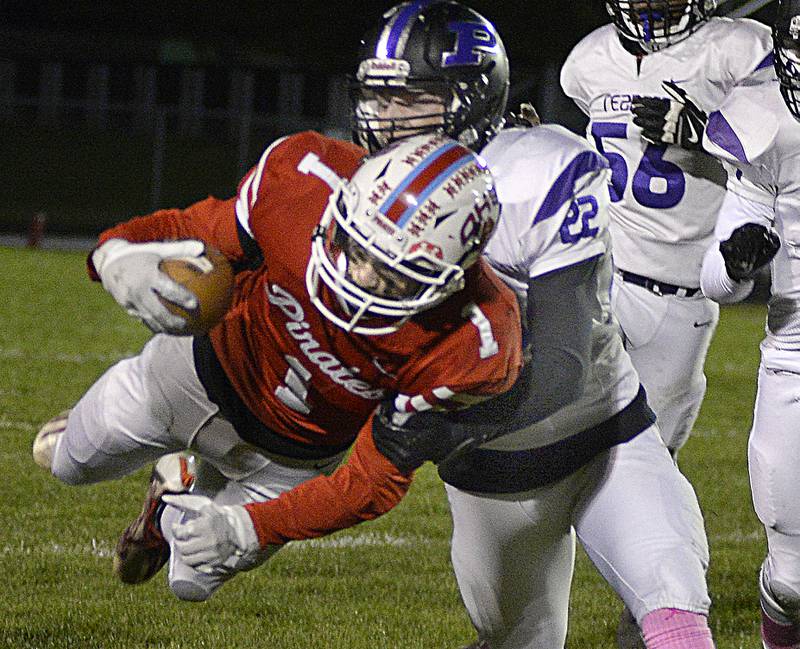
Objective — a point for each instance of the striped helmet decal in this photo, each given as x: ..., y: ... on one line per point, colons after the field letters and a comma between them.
x: 425, y: 179
x: 392, y: 42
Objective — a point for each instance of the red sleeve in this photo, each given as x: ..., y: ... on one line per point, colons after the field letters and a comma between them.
x: 276, y: 186
x: 211, y: 220
x: 366, y: 487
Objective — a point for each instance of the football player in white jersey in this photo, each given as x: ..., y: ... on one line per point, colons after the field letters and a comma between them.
x: 664, y: 199
x: 756, y: 132
x: 559, y: 455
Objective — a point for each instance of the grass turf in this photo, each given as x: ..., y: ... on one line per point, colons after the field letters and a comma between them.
x: 386, y: 584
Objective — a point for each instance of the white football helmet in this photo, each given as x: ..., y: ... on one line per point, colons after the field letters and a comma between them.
x: 396, y: 239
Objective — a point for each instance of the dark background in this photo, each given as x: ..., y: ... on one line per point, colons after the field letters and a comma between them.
x: 321, y: 33
x: 108, y: 110
x: 316, y: 33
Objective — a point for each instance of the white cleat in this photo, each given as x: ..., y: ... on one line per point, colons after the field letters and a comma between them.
x: 44, y: 445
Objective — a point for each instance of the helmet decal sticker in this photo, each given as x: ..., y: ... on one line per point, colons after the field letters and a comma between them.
x: 395, y: 35
x: 472, y: 40
x: 422, y: 182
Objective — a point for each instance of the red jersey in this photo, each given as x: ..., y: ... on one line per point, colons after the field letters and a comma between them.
x: 300, y: 374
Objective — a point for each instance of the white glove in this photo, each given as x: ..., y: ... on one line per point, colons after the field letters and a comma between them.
x: 213, y: 538
x: 129, y: 271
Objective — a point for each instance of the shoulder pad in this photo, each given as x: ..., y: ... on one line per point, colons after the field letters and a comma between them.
x: 732, y: 133
x: 528, y: 162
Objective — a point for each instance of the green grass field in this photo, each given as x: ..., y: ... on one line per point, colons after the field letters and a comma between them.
x: 385, y: 584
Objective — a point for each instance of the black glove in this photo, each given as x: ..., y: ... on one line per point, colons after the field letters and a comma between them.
x: 749, y: 247
x: 426, y: 436
x: 525, y: 117
x: 676, y: 120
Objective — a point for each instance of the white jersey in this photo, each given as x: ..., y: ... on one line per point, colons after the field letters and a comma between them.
x: 553, y: 190
x: 757, y: 136
x: 664, y: 199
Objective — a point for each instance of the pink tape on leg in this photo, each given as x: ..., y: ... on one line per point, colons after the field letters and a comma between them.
x: 671, y: 628
x: 779, y: 636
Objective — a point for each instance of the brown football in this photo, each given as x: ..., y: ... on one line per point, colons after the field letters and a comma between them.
x: 210, y: 278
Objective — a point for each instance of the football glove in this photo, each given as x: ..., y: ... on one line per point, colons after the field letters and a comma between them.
x: 749, y: 247
x: 426, y: 436
x: 129, y: 271
x: 213, y: 539
x: 677, y: 120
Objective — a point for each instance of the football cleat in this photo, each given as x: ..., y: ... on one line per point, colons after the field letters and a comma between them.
x: 44, y: 445
x: 142, y: 549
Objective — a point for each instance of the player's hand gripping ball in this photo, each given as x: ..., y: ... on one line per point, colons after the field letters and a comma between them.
x: 210, y: 278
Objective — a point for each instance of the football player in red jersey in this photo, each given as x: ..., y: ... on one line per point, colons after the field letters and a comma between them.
x: 349, y: 294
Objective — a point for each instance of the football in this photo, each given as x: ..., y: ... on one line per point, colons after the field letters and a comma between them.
x: 210, y: 278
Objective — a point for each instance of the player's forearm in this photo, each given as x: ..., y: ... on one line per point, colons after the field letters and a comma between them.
x: 211, y: 220
x: 366, y: 487
x: 715, y: 282
x: 560, y: 302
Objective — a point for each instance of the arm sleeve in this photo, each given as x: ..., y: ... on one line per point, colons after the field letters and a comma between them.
x: 715, y: 282
x: 744, y: 202
x: 570, y: 84
x: 365, y: 487
x: 745, y: 50
x: 559, y: 303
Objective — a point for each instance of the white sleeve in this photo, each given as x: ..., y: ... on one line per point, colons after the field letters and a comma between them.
x: 733, y: 135
x: 715, y: 282
x: 748, y: 197
x: 570, y: 84
x: 575, y: 232
x: 745, y: 202
x: 745, y: 49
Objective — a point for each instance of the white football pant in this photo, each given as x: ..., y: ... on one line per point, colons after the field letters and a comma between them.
x: 667, y: 338
x: 636, y: 516
x: 153, y: 404
x: 774, y: 461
